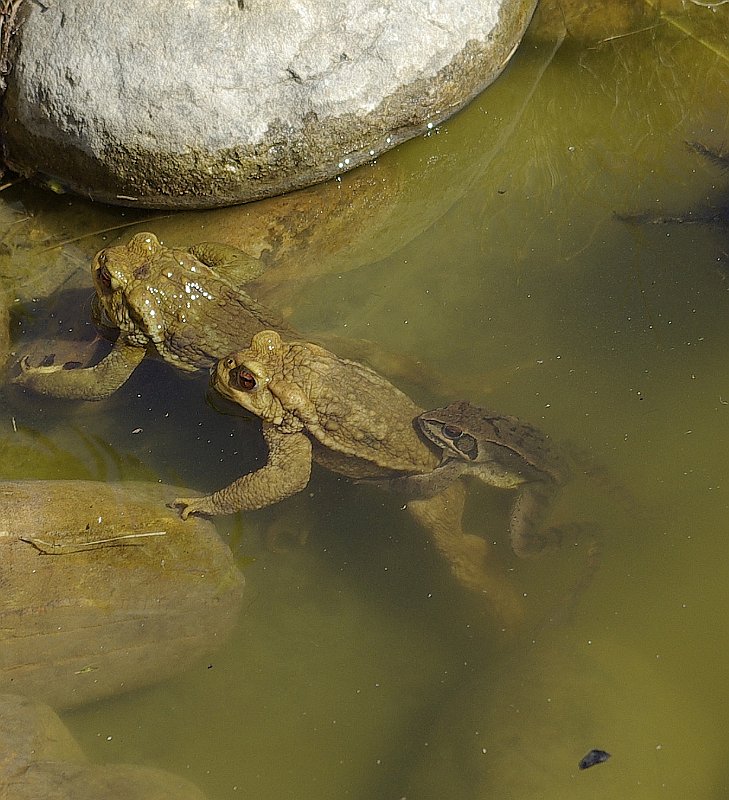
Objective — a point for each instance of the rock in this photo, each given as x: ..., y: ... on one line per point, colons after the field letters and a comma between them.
x: 64, y: 781
x: 219, y: 102
x: 80, y: 621
x: 31, y: 731
x: 39, y: 758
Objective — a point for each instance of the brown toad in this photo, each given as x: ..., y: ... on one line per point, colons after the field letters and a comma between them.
x: 184, y: 305
x: 175, y: 302
x: 343, y: 415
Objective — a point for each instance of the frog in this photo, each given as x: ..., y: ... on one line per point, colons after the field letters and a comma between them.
x: 318, y: 407
x: 185, y: 305
x: 501, y: 451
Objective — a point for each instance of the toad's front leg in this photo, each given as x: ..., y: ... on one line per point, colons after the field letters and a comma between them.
x: 87, y: 383
x: 286, y: 472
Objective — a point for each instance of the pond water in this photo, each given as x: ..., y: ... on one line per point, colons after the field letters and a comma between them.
x: 489, y: 251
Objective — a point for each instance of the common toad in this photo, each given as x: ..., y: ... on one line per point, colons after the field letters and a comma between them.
x: 318, y: 407
x: 175, y: 302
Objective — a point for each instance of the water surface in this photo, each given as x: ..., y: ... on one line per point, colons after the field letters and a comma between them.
x: 493, y: 256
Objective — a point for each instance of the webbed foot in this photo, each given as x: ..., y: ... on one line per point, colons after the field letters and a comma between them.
x: 72, y: 381
x: 46, y: 365
x: 192, y: 505
x: 36, y: 378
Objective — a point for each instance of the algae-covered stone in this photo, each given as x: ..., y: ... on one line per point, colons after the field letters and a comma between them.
x: 105, y: 589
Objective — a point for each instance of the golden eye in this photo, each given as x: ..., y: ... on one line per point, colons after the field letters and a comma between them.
x: 243, y: 378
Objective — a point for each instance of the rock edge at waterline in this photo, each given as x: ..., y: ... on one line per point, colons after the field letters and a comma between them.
x: 217, y: 102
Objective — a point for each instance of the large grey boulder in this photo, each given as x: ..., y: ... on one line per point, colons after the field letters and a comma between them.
x: 215, y: 102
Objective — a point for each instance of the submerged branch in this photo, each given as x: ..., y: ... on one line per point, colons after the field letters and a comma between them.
x: 54, y: 548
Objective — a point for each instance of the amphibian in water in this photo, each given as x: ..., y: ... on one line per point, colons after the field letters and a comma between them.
x: 501, y: 451
x: 184, y: 305
x: 343, y: 415
x: 174, y: 302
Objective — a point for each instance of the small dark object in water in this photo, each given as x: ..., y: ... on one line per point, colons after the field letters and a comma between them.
x: 593, y: 757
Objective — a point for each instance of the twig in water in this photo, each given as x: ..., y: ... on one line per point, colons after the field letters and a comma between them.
x: 8, y: 184
x: 61, y: 548
x: 105, y: 230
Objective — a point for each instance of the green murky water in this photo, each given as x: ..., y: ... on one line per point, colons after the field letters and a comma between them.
x: 488, y: 250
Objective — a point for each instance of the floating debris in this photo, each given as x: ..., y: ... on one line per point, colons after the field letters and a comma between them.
x: 592, y: 758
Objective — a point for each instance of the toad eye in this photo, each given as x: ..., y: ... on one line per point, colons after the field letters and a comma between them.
x: 242, y: 378
x: 451, y: 431
x: 102, y: 273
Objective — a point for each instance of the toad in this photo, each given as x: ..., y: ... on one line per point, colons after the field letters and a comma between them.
x: 316, y: 406
x: 184, y: 305
x: 174, y: 302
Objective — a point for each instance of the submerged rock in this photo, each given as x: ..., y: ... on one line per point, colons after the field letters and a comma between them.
x: 69, y: 781
x: 219, y: 102
x: 39, y: 758
x: 32, y: 731
x: 105, y: 589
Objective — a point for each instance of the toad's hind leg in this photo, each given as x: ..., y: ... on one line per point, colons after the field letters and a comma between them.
x: 471, y: 558
x: 527, y: 532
